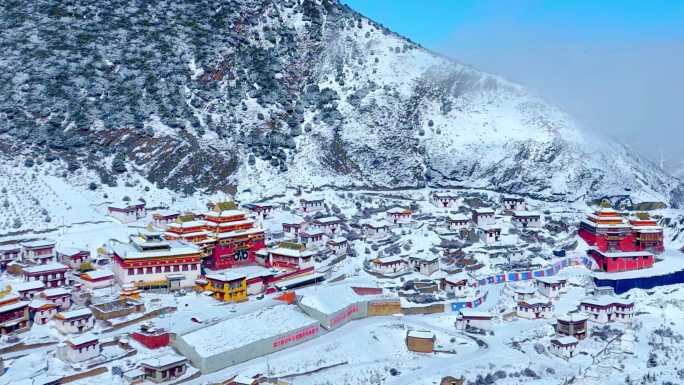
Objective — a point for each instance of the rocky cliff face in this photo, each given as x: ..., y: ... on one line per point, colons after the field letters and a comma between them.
x: 261, y: 94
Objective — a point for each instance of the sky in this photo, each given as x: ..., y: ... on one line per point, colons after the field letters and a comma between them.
x: 615, y: 65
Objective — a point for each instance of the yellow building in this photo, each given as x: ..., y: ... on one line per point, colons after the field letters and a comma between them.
x: 227, y: 287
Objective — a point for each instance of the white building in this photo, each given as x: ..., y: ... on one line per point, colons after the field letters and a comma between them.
x: 551, y: 286
x: 312, y: 239
x: 606, y: 309
x: 291, y: 256
x: 563, y: 346
x: 165, y: 368
x: 490, y: 234
x: 469, y: 318
x: 311, y: 205
x: 483, y: 216
x: 443, y: 200
x: 526, y: 219
x: 389, y: 266
x: 42, y: 311
x: 458, y: 222
x: 523, y: 293
x: 425, y: 264
x: 149, y: 260
x: 97, y: 279
x: 513, y: 203
x: 329, y: 225
x: 80, y: 348
x: 40, y: 251
x: 375, y: 229
x: 59, y: 296
x: 535, y: 308
x: 75, y: 321
x: 338, y: 245
x: 456, y: 284
x: 398, y: 216
x: 126, y: 212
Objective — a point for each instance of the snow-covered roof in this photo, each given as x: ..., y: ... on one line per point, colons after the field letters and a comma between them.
x: 251, y: 271
x: 10, y: 247
x: 187, y: 224
x: 80, y: 340
x: 471, y: 313
x: 58, y: 291
x: 456, y: 277
x: 176, y: 248
x: 30, y: 285
x: 329, y: 299
x: 45, y: 268
x: 399, y: 210
x: 524, y: 290
x: 459, y: 217
x: 226, y: 276
x: 484, y: 211
x: 550, y: 280
x: 327, y: 220
x: 163, y: 361
x: 523, y: 213
x: 536, y: 301
x: 423, y: 334
x: 338, y: 240
x: 13, y: 306
x: 254, y: 326
x: 39, y: 303
x: 288, y: 252
x: 425, y: 257
x: 38, y: 244
x: 565, y: 341
x: 388, y: 260
x: 98, y: 274
x: 622, y: 254
x: 572, y: 317
x: 606, y: 300
x: 374, y: 224
x: 70, y: 250
x: 75, y: 313
x: 224, y: 213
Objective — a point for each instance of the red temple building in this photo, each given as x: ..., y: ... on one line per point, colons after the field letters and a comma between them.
x: 647, y: 234
x: 608, y: 231
x: 237, y: 237
x: 187, y: 228
x: 623, y: 260
x: 14, y: 313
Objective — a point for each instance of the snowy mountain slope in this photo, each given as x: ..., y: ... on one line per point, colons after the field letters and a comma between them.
x: 235, y: 95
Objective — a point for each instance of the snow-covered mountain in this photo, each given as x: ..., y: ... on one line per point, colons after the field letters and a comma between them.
x: 234, y: 95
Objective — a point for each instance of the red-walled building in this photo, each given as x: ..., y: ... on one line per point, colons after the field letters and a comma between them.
x: 237, y: 237
x: 151, y: 337
x: 647, y: 234
x: 607, y: 230
x: 622, y: 261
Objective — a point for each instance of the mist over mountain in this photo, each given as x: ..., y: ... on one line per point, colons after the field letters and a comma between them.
x: 217, y: 95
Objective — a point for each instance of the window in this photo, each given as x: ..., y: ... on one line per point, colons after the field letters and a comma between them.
x: 158, y: 269
x: 131, y: 271
x: 148, y: 270
x: 141, y: 271
x: 193, y: 267
x: 167, y: 268
x: 185, y: 267
x: 176, y: 268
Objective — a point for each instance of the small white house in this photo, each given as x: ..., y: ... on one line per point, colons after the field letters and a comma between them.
x: 338, y: 245
x: 458, y: 222
x: 389, y: 266
x: 551, y: 286
x: 444, y: 200
x: 80, y: 348
x: 456, y: 283
x: 311, y: 205
x: 328, y: 225
x: 75, y: 321
x: 59, y: 296
x: 524, y: 293
x: 469, y: 318
x: 165, y: 368
x: 42, y: 311
x: 513, y: 203
x: 563, y: 346
x: 375, y: 229
x: 127, y: 212
x: 483, y: 216
x: 425, y: 264
x: 535, y: 308
x: 97, y: 279
x: 312, y: 239
x: 490, y: 234
x: 606, y: 309
x: 526, y: 219
x: 398, y: 216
